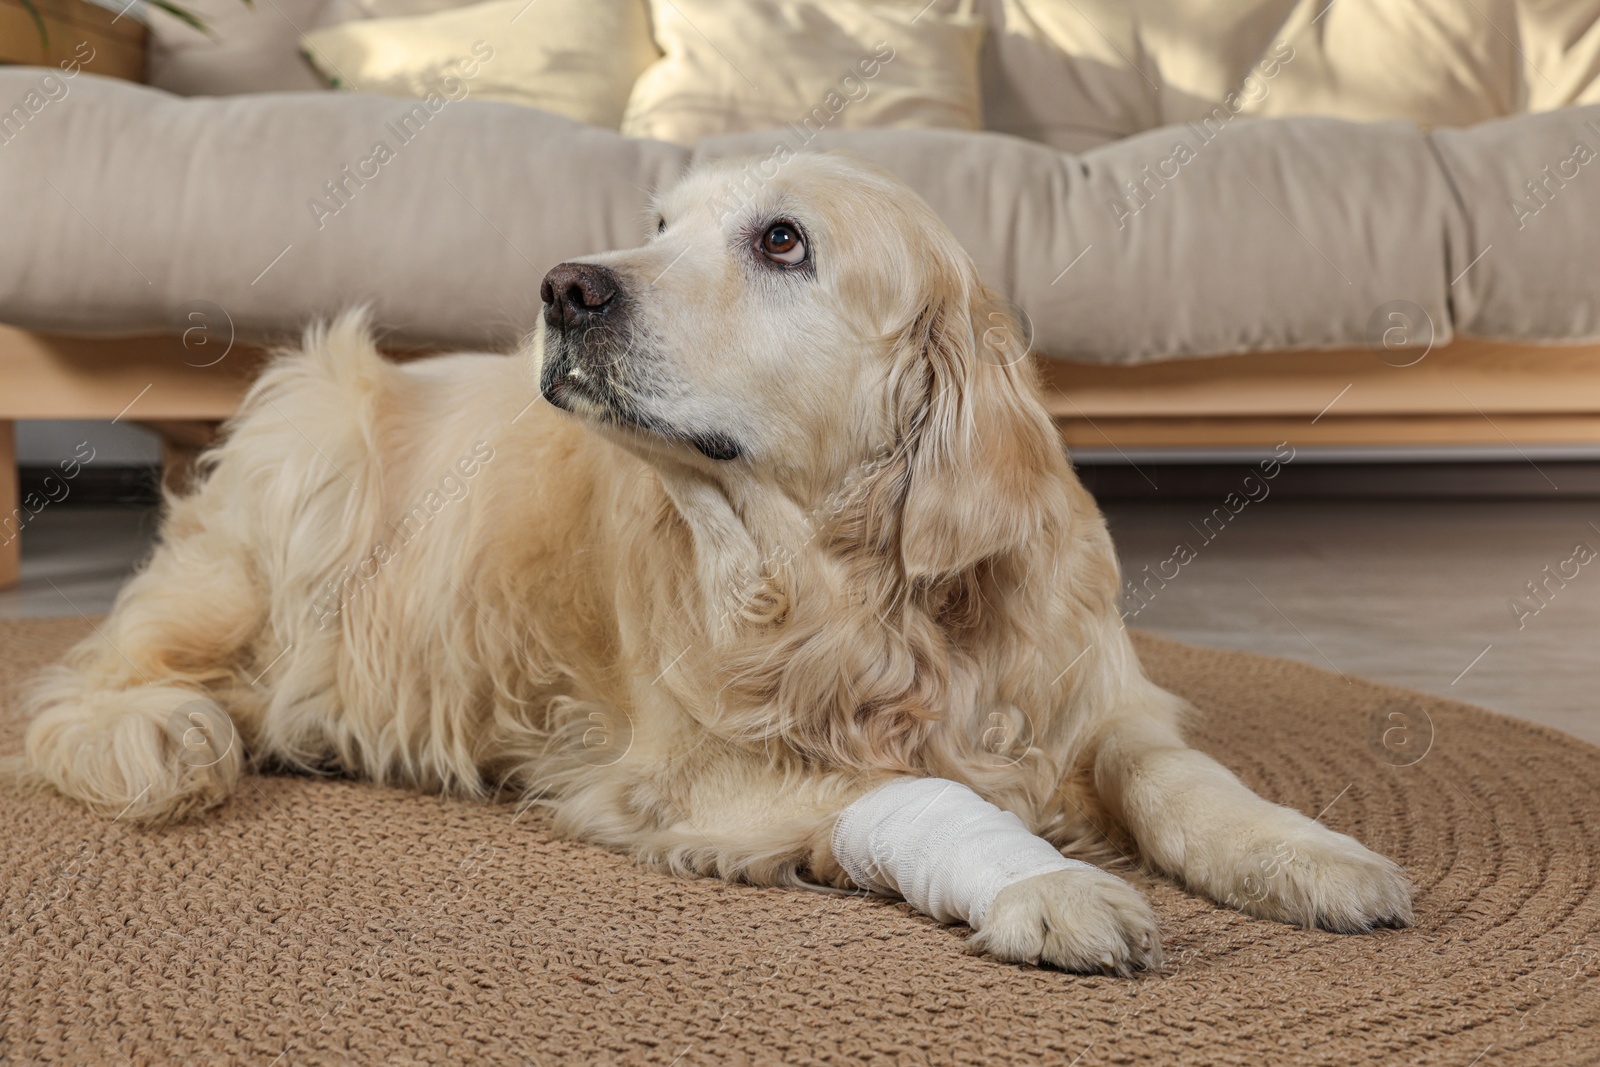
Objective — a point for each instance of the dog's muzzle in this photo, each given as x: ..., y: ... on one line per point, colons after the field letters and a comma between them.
x: 587, y: 314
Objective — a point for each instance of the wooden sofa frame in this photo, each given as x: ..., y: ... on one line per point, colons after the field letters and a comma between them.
x: 1467, y: 393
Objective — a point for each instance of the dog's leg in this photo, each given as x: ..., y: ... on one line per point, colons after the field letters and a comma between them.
x: 130, y: 724
x: 1193, y: 819
x: 959, y: 858
x: 933, y: 842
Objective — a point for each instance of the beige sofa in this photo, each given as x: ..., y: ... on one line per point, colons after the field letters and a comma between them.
x: 1377, y: 218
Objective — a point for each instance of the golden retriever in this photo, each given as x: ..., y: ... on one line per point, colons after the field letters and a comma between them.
x: 769, y: 513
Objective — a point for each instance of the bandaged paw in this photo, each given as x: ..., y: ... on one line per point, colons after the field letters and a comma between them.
x: 940, y: 846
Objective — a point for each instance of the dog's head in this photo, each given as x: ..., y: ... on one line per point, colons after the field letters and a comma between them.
x: 800, y: 321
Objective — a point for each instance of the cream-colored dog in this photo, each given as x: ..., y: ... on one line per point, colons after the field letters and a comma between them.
x: 770, y: 515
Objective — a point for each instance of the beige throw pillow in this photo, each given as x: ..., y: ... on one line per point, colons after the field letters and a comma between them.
x: 575, y: 57
x: 817, y: 64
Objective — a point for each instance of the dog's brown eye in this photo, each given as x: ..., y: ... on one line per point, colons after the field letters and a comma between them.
x: 782, y: 244
x: 661, y: 225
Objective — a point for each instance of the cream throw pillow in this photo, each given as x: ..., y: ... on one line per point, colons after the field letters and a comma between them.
x: 575, y: 57
x: 817, y: 64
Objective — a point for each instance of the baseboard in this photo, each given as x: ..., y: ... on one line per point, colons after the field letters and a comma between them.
x: 96, y: 485
x: 1534, y: 479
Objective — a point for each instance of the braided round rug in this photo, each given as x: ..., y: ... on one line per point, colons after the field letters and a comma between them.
x: 319, y: 921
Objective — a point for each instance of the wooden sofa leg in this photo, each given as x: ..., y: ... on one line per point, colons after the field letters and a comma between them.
x: 181, y: 444
x: 10, y: 507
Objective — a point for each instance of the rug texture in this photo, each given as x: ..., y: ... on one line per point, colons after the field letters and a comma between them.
x: 317, y: 921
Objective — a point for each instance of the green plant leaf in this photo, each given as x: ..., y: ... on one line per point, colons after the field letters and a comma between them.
x: 183, y: 15
x: 38, y: 21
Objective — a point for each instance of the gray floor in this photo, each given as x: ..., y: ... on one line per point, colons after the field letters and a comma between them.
x: 74, y: 559
x: 1415, y: 594
x: 1418, y: 594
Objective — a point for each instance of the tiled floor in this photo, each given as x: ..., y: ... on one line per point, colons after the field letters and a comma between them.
x: 1415, y: 594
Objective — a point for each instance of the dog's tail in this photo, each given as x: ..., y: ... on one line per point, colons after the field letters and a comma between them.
x: 343, y: 350
x: 330, y: 382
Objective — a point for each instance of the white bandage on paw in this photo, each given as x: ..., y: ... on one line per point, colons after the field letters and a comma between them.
x: 939, y: 845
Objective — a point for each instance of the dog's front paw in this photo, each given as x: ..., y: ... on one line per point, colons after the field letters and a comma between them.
x: 1322, y: 879
x: 1082, y: 920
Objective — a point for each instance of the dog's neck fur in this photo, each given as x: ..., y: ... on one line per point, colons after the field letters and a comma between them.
x: 774, y: 581
x: 728, y: 556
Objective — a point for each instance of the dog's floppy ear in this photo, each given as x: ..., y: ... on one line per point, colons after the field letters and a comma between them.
x: 983, y: 453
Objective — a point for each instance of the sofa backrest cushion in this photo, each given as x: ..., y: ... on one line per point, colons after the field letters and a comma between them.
x: 835, y: 64
x: 1075, y: 74
x: 574, y: 57
x: 1079, y: 73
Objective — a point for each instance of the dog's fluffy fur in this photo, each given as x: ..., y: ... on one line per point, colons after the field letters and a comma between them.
x: 799, y: 527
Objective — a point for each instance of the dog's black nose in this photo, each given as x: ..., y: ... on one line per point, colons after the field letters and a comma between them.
x: 575, y: 294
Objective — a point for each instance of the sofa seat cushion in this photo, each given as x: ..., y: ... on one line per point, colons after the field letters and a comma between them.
x: 1273, y: 234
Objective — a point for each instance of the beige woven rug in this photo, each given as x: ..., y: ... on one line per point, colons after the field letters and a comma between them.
x: 336, y: 922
